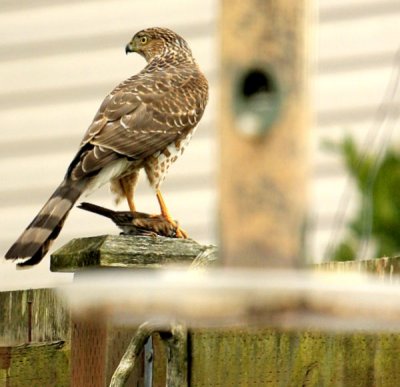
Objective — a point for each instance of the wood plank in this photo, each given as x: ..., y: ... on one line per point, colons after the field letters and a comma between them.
x: 274, y: 358
x: 124, y: 251
x: 50, y: 316
x: 39, y: 364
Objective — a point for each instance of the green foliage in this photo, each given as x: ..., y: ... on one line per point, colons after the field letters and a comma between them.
x: 379, y: 214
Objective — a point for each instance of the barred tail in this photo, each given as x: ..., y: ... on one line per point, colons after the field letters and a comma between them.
x: 37, y: 238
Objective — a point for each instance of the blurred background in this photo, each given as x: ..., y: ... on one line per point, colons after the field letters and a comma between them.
x: 58, y: 60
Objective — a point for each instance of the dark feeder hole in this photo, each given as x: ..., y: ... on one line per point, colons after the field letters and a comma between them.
x: 257, y: 102
x: 256, y: 82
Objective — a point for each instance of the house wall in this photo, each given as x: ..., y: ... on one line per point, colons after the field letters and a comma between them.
x: 58, y: 59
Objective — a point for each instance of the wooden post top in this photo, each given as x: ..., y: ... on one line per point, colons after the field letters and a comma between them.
x: 124, y: 251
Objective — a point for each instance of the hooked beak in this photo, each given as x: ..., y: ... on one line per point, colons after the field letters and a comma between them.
x: 130, y: 47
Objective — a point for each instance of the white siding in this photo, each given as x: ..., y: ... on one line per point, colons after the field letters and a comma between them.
x: 356, y: 45
x: 58, y: 59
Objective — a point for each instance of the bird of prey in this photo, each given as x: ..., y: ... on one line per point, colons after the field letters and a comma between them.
x: 144, y: 123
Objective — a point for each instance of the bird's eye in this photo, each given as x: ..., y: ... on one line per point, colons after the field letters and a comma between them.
x: 143, y: 40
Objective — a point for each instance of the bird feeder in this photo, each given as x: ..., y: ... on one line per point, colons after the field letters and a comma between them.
x: 264, y: 124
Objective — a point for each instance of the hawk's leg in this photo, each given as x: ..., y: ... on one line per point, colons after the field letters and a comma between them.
x: 127, y: 189
x: 167, y: 216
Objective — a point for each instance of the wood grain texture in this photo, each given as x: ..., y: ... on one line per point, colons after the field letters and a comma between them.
x: 271, y: 357
x: 124, y: 251
x: 292, y: 359
x: 50, y: 316
x: 41, y: 364
x: 132, y: 355
x: 387, y: 267
x: 230, y: 357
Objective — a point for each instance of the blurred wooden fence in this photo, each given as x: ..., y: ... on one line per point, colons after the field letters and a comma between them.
x: 239, y: 356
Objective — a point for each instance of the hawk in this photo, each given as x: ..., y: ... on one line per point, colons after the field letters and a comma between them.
x: 144, y: 123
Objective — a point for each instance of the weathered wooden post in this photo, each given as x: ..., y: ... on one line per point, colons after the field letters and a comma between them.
x: 34, y: 338
x: 264, y: 125
x: 241, y: 357
x: 97, y: 345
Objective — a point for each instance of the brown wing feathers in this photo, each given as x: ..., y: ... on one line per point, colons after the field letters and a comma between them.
x: 140, y: 118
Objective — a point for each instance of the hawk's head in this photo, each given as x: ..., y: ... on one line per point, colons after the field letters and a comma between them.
x: 156, y: 42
